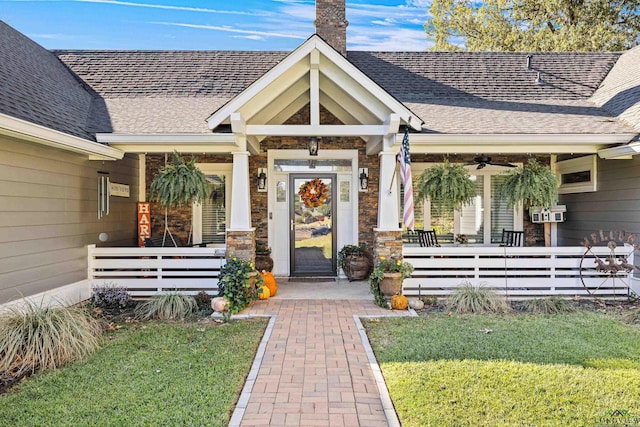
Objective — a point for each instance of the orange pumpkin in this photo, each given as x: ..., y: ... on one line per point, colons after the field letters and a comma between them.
x: 269, y: 282
x: 399, y: 302
x: 263, y: 292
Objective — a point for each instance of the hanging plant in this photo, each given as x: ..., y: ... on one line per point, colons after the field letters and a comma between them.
x: 313, y: 193
x: 447, y: 183
x: 178, y: 183
x: 533, y: 185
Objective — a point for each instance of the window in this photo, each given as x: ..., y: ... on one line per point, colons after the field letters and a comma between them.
x: 210, y: 217
x: 481, y: 226
x: 577, y: 175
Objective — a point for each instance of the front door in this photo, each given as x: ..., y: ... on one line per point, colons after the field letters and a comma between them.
x: 312, y: 224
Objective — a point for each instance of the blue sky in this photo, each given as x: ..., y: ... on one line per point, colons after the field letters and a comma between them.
x: 393, y: 25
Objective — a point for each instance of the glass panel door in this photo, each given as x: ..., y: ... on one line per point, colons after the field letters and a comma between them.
x: 311, y: 219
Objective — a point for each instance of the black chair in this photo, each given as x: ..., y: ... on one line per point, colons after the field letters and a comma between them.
x: 427, y: 238
x: 512, y: 238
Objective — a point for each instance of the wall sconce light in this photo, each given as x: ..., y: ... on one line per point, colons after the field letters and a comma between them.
x: 313, y: 146
x: 364, y: 179
x: 262, y: 179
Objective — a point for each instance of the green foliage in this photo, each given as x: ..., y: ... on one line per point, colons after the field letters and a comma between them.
x: 508, y: 370
x: 203, y: 302
x: 145, y: 374
x: 447, y: 183
x: 528, y: 26
x: 376, y: 276
x: 238, y: 282
x: 111, y: 296
x: 549, y: 305
x: 179, y: 183
x: 533, y: 185
x: 36, y: 337
x: 349, y: 250
x: 468, y: 298
x: 167, y: 306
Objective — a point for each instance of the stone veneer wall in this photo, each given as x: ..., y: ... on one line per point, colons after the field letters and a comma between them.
x: 241, y: 244
x: 388, y: 244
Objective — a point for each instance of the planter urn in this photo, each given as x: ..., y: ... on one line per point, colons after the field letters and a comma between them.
x: 391, y: 284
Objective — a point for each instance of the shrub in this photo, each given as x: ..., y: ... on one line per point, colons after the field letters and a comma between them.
x: 236, y: 286
x: 549, y: 305
x: 111, y: 296
x: 167, y: 306
x: 36, y: 337
x: 476, y: 299
x: 203, y: 302
x: 430, y: 300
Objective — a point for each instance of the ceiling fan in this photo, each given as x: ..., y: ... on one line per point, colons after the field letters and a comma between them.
x: 483, y: 161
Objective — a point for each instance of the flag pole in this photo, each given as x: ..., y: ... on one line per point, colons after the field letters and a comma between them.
x: 393, y: 177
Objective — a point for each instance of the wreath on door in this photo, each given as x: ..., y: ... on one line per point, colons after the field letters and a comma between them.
x: 313, y: 193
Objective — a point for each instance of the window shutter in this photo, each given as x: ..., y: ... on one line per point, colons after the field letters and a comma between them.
x: 501, y: 214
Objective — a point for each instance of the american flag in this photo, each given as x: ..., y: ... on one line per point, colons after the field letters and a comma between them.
x: 404, y: 157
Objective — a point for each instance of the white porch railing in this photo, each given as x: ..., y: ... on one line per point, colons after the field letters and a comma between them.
x: 520, y: 272
x: 146, y: 271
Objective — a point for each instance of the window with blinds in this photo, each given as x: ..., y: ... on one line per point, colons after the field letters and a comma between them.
x: 472, y: 215
x: 501, y: 214
x: 214, y: 217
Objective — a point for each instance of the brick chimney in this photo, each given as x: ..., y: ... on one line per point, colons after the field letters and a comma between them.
x: 331, y: 23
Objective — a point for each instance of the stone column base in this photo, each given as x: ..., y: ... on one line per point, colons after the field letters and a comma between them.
x: 241, y: 244
x: 387, y: 244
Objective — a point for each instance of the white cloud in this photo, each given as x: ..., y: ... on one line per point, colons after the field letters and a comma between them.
x: 399, y: 39
x: 181, y: 8
x: 253, y: 37
x: 49, y: 36
x: 231, y: 30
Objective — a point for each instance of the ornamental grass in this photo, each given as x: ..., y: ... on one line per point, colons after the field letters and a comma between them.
x: 469, y: 298
x: 35, y: 337
x: 167, y: 306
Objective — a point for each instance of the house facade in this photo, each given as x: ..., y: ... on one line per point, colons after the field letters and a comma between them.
x: 266, y: 126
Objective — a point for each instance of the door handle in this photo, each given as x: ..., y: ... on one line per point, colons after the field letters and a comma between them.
x: 291, y: 225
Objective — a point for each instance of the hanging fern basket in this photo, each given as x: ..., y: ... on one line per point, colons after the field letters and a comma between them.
x: 533, y: 185
x: 179, y: 183
x: 447, y: 183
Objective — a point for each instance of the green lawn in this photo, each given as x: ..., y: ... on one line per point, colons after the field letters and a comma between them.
x: 512, y: 370
x: 146, y: 374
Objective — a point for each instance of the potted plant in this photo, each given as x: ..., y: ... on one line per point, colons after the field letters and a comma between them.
x: 264, y: 262
x: 533, y: 185
x: 387, y: 277
x: 238, y: 283
x: 354, y: 262
x: 448, y: 183
x: 178, y: 183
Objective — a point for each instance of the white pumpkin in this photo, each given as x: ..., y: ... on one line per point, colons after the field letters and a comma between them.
x: 219, y: 304
x: 416, y: 304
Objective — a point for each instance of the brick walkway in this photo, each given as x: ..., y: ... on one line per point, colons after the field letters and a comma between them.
x: 315, y: 370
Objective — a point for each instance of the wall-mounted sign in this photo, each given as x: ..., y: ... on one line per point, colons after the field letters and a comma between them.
x: 144, y: 222
x: 119, y: 190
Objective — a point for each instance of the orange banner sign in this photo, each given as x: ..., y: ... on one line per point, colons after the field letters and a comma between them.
x: 144, y: 222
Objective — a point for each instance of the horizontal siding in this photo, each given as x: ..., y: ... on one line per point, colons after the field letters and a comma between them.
x: 48, y: 214
x: 615, y: 206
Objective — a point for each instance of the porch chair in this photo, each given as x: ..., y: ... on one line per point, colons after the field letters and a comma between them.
x: 427, y: 238
x: 512, y: 238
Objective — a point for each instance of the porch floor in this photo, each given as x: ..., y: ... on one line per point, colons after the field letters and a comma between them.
x: 314, y: 365
x: 339, y: 289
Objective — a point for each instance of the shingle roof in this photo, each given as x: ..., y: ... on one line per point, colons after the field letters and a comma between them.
x: 176, y: 91
x: 35, y: 86
x: 620, y: 91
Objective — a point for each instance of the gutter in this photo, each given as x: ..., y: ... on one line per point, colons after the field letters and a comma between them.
x: 42, y: 135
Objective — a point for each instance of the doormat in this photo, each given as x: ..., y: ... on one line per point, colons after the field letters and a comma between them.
x: 311, y: 279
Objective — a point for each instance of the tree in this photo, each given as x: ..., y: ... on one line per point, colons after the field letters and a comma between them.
x: 534, y: 25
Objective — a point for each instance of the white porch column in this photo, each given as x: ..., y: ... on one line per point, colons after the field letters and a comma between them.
x: 388, y: 201
x: 240, y: 215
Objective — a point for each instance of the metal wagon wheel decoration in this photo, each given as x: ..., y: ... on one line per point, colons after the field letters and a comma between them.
x: 612, y: 270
